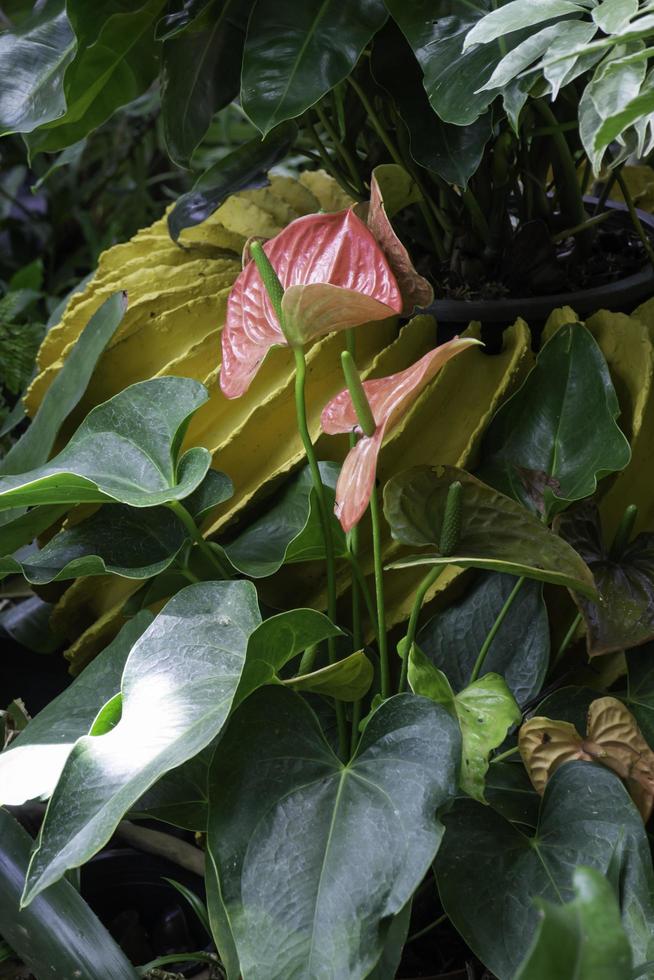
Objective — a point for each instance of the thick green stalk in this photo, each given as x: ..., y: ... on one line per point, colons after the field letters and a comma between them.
x: 196, y: 536
x: 382, y: 640
x: 492, y: 633
x: 412, y: 628
x: 567, y: 183
x: 353, y: 551
x: 323, y: 510
x: 635, y: 220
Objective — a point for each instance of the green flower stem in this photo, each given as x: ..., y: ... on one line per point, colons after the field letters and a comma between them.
x: 196, y: 536
x: 328, y: 163
x: 412, y: 628
x: 382, y: 639
x: 492, y: 633
x: 353, y: 552
x: 357, y: 393
x: 633, y: 214
x: 341, y: 149
x: 365, y: 592
x: 301, y: 411
x: 568, y: 638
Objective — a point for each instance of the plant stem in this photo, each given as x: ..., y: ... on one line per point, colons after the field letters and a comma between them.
x: 492, y: 633
x: 412, y: 628
x: 505, y: 755
x: 340, y: 148
x: 196, y: 535
x: 353, y: 551
x: 382, y: 639
x: 633, y: 214
x: 568, y: 638
x: 432, y: 925
x: 568, y: 185
x: 328, y: 164
x: 301, y: 412
x: 365, y: 592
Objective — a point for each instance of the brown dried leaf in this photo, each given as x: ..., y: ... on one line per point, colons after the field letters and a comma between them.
x: 545, y: 744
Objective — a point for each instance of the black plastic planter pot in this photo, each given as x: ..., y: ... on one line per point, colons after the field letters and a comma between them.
x: 621, y: 296
x: 128, y: 892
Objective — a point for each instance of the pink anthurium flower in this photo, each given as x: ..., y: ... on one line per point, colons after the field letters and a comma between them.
x: 390, y: 399
x: 335, y: 276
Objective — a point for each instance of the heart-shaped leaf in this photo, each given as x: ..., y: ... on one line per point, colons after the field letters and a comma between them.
x: 117, y: 540
x: 177, y: 690
x: 126, y: 450
x: 215, y: 489
x: 624, y: 616
x: 290, y: 531
x: 583, y: 939
x: 59, y: 936
x: 366, y: 830
x: 485, y: 710
x: 585, y: 814
x: 520, y: 651
x: 496, y: 533
x: 348, y: 679
x: 31, y: 766
x: 557, y: 436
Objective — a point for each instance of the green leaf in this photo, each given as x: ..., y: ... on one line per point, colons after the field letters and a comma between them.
x: 290, y: 531
x: 639, y: 696
x: 59, y: 936
x: 348, y: 679
x: 181, y: 796
x: 240, y: 170
x: 31, y: 766
x: 200, y: 74
x: 295, y: 53
x: 518, y: 14
x: 496, y: 533
x: 452, y: 152
x: 367, y: 830
x: 485, y: 710
x: 583, y: 939
x: 35, y: 445
x: 117, y: 540
x: 551, y: 442
x: 178, y: 687
x: 522, y: 56
x: 560, y: 72
x: 215, y: 489
x: 453, y: 78
x: 509, y: 791
x: 396, y: 937
x: 33, y: 60
x: 115, y: 62
x: 520, y: 651
x: 19, y: 343
x: 28, y: 623
x: 607, y: 130
x: 178, y: 21
x: 624, y: 616
x: 612, y: 16
x: 125, y: 450
x: 584, y: 814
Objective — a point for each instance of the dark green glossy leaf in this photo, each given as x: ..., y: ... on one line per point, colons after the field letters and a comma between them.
x: 117, y: 540
x: 452, y: 152
x: 485, y: 710
x: 215, y: 489
x: 21, y: 530
x: 496, y: 533
x: 240, y: 170
x: 348, y: 679
x: 290, y: 531
x: 33, y: 60
x: 126, y: 450
x: 624, y: 616
x: 177, y: 690
x: 295, y: 53
x: 200, y: 74
x: 509, y: 791
x: 28, y: 623
x: 181, y: 797
x: 453, y: 78
x: 583, y: 939
x: 584, y: 814
x: 557, y: 436
x: 366, y: 830
x: 520, y: 650
x: 58, y: 936
x: 31, y: 766
x: 396, y: 936
x: 115, y: 62
x: 178, y: 21
x: 639, y: 696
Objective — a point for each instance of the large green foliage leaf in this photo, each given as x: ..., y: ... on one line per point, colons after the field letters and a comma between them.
x: 33, y: 60
x: 116, y: 540
x: 517, y: 14
x: 585, y: 814
x: 59, y: 936
x: 639, y: 695
x: 485, y: 710
x: 557, y: 435
x: 295, y: 53
x: 32, y: 764
x: 200, y: 73
x: 344, y: 845
x: 583, y: 939
x: 290, y: 531
x: 115, y: 62
x: 495, y: 532
x: 520, y: 651
x: 243, y: 168
x: 624, y: 616
x: 126, y: 450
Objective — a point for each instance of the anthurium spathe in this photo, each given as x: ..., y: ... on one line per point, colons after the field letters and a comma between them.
x: 335, y: 276
x: 390, y: 399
